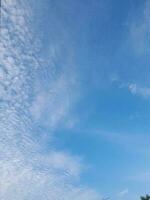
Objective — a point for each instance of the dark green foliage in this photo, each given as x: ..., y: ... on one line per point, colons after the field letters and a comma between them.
x: 147, y: 197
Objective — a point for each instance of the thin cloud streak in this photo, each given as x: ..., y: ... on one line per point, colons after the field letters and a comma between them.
x: 140, y: 91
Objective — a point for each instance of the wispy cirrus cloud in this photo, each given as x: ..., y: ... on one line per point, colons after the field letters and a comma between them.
x: 139, y: 31
x: 135, y: 89
x: 140, y: 91
x: 54, y: 102
x: 123, y: 193
x: 25, y: 172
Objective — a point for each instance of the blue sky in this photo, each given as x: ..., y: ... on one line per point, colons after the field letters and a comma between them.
x: 75, y: 99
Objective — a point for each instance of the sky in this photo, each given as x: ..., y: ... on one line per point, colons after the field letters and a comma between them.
x: 74, y: 99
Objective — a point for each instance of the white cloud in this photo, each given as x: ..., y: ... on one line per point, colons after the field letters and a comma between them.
x: 68, y: 164
x: 54, y: 103
x: 137, y: 90
x: 24, y: 172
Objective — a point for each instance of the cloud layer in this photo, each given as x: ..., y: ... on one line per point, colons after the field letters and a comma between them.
x: 25, y: 172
